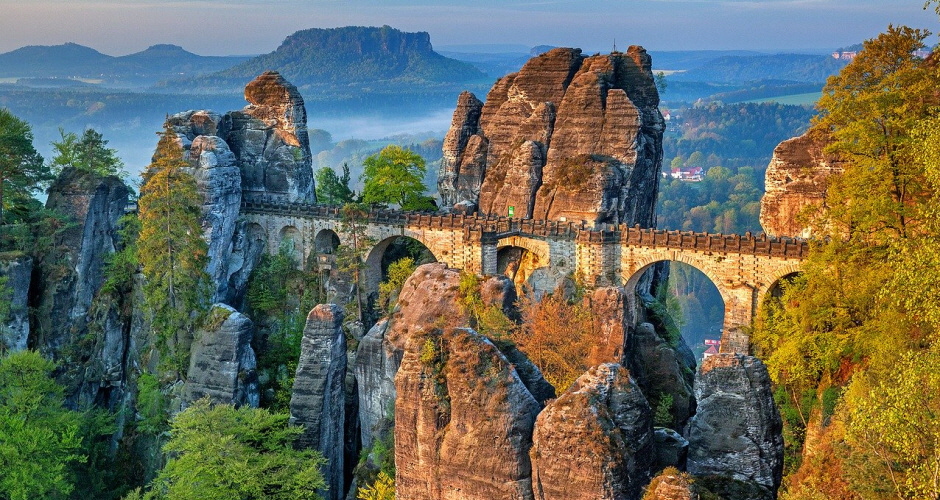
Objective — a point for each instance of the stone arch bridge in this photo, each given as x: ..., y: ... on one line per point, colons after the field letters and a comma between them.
x: 743, y: 268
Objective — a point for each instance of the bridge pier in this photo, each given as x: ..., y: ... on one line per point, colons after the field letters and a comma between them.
x: 740, y: 307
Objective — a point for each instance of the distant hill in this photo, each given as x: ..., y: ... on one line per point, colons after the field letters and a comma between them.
x: 348, y: 58
x: 143, y: 68
x: 784, y: 67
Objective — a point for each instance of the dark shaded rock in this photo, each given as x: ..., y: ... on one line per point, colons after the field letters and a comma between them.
x: 318, y: 402
x: 736, y: 432
x: 796, y: 178
x: 671, y: 449
x: 463, y: 420
x: 376, y: 364
x: 595, y: 440
x: 222, y: 363
x: 568, y: 136
x: 662, y: 370
x: 14, y: 334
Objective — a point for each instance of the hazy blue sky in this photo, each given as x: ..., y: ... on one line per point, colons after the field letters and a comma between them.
x: 216, y: 27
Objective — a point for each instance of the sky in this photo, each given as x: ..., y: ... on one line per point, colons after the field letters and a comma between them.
x: 243, y: 27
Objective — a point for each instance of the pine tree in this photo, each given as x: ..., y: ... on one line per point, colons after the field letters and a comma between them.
x: 171, y: 249
x: 21, y: 167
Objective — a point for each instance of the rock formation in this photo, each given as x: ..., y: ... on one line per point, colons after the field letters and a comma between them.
x: 463, y: 420
x: 662, y: 370
x: 429, y: 299
x: 262, y: 150
x: 672, y: 485
x: 14, y: 332
x: 222, y: 363
x: 318, y: 401
x: 71, y: 275
x: 796, y: 179
x: 595, y: 440
x: 736, y: 432
x: 568, y: 136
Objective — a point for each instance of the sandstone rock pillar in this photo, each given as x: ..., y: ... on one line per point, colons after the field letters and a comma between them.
x: 318, y: 401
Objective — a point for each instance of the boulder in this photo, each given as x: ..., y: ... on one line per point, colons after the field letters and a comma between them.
x: 796, y: 179
x: 14, y: 334
x: 318, y: 401
x: 595, y: 440
x: 736, y: 432
x: 671, y: 449
x: 567, y: 137
x: 463, y: 420
x: 222, y: 363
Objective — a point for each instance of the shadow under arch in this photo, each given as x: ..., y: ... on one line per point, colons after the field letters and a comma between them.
x: 687, y: 290
x: 387, y: 251
x: 291, y: 240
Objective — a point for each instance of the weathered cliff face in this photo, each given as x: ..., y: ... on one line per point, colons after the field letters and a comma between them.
x: 536, y: 144
x: 463, y: 420
x: 736, y: 432
x: 318, y: 400
x: 595, y: 440
x: 222, y: 363
x: 429, y: 299
x: 796, y: 179
x: 662, y: 370
x: 672, y: 485
x: 15, y: 332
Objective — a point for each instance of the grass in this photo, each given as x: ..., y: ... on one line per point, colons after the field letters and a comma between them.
x: 792, y: 99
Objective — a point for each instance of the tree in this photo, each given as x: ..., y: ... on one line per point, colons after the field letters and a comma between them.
x: 39, y: 438
x: 868, y: 111
x: 395, y: 176
x: 89, y: 153
x: 219, y: 452
x: 332, y: 189
x: 21, y: 167
x: 349, y: 258
x: 171, y: 249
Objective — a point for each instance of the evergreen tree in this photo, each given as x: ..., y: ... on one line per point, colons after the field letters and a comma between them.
x: 89, y: 153
x: 333, y: 189
x: 22, y: 170
x: 171, y: 249
x: 39, y: 438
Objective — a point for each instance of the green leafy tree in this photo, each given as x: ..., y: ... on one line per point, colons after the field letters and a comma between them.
x: 333, y: 189
x: 398, y: 273
x: 40, y: 440
x: 90, y: 153
x: 395, y: 176
x: 219, y: 452
x: 22, y: 170
x: 171, y: 249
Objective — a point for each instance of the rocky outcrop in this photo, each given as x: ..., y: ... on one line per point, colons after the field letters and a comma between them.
x: 671, y: 449
x: 262, y: 150
x: 219, y: 181
x: 796, y: 179
x: 672, y: 485
x: 568, y: 136
x: 609, y: 310
x: 663, y: 370
x: 736, y: 432
x: 269, y: 139
x: 14, y: 333
x: 595, y: 440
x: 429, y: 299
x: 222, y: 363
x: 463, y: 420
x: 318, y: 400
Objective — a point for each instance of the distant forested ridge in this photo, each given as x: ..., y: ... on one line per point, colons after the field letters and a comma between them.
x: 354, y: 57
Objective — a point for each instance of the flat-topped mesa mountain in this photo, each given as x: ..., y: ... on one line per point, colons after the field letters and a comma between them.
x: 796, y: 180
x: 567, y: 137
x: 351, y: 57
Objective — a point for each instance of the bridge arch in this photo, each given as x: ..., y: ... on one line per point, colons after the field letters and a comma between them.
x: 776, y: 278
x: 326, y: 241
x: 291, y: 239
x: 375, y: 268
x: 524, y: 260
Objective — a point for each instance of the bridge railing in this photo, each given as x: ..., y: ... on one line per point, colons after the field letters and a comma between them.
x: 760, y: 244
